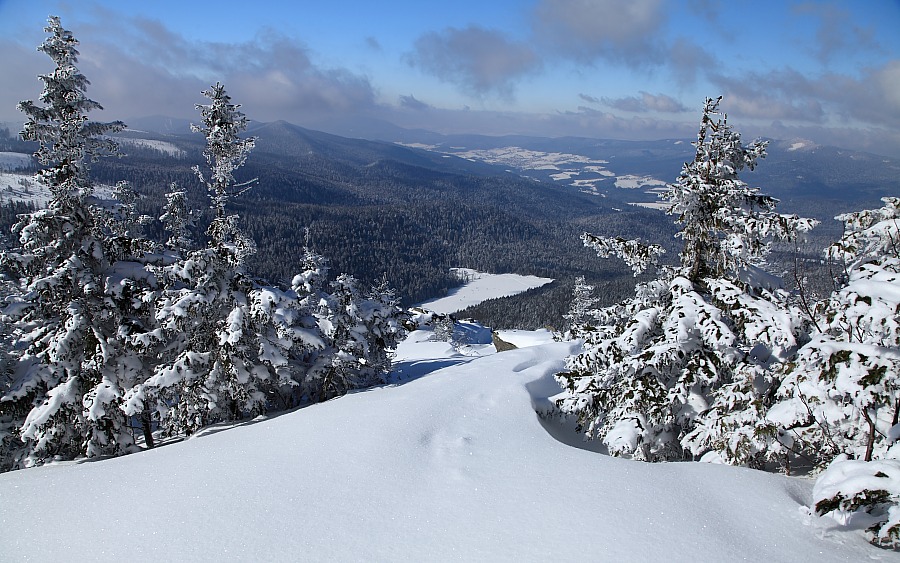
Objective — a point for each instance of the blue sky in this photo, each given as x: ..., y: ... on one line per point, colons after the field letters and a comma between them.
x: 638, y: 69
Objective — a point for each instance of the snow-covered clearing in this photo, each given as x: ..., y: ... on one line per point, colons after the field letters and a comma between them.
x: 162, y: 146
x: 481, y: 286
x: 801, y: 144
x: 527, y: 159
x: 451, y: 463
x: 24, y: 188
x: 630, y: 182
x: 10, y: 161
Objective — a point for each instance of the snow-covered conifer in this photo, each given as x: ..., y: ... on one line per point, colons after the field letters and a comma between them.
x: 347, y: 335
x: 842, y: 391
x: 579, y: 314
x: 385, y: 322
x: 68, y: 316
x: 210, y: 370
x: 362, y: 330
x: 177, y: 220
x: 663, y: 373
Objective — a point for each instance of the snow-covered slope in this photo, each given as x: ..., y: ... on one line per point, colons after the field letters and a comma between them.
x: 21, y: 187
x: 451, y: 463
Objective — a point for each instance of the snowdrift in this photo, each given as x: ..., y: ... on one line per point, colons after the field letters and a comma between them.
x: 450, y: 463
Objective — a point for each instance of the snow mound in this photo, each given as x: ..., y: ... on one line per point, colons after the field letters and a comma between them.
x: 526, y: 338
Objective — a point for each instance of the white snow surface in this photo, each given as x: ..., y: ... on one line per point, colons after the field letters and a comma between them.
x: 164, y: 147
x: 450, y: 463
x: 481, y: 286
x: 801, y: 144
x: 24, y: 188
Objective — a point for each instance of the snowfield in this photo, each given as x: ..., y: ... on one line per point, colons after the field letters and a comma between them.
x: 160, y: 146
x: 10, y: 161
x: 23, y: 188
x: 449, y: 463
x: 481, y: 286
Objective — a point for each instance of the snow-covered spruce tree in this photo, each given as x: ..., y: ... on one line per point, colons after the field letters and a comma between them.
x: 580, y: 311
x: 231, y: 347
x: 12, y: 413
x: 177, y: 220
x: 683, y: 367
x: 77, y: 265
x: 385, y: 324
x: 210, y: 368
x: 362, y: 329
x: 841, y: 394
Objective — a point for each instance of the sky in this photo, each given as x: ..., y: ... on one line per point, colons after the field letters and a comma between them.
x: 828, y: 72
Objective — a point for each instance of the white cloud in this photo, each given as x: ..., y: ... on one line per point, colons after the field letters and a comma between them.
x: 610, y: 29
x: 138, y: 67
x: 646, y: 102
x: 480, y: 61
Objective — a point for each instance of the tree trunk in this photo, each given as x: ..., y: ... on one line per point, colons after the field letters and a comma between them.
x: 896, y: 413
x: 145, y: 426
x: 870, y: 443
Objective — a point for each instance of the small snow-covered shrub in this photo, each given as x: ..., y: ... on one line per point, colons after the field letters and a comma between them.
x: 868, y: 490
x: 840, y: 393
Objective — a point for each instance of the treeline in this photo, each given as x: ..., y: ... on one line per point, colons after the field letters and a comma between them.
x: 107, y: 331
x: 712, y: 359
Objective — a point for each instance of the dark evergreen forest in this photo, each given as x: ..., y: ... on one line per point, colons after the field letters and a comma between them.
x: 377, y: 209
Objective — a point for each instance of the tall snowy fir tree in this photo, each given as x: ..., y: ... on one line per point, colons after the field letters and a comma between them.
x: 230, y: 346
x: 683, y: 367
x: 177, y: 220
x: 579, y: 314
x: 209, y: 370
x: 77, y: 265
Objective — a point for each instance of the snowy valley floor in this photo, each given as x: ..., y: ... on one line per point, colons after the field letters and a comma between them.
x: 450, y: 463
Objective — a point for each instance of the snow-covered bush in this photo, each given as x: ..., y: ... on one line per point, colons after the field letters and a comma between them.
x: 684, y: 367
x: 865, y: 491
x: 362, y: 330
x: 841, y: 393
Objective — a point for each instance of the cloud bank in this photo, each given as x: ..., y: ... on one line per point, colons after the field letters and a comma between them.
x: 480, y: 61
x: 140, y: 66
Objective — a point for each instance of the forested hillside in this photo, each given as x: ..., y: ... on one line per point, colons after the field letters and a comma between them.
x: 376, y: 208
